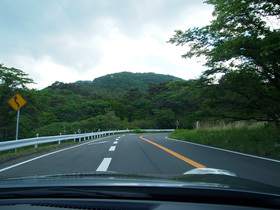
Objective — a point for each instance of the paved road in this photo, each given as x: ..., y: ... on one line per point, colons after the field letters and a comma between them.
x: 143, y: 154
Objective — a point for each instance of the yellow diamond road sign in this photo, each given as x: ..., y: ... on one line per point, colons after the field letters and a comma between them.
x: 16, y: 102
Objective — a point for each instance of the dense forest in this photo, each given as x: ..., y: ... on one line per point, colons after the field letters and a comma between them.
x: 241, y: 49
x: 116, y: 101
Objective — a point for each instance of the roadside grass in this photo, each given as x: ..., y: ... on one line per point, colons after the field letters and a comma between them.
x: 257, y: 140
x: 222, y: 125
x: 30, y: 150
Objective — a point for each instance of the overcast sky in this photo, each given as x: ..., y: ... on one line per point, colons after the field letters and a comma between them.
x: 70, y: 40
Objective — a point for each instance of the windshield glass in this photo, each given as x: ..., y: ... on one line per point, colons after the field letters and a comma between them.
x: 154, y: 88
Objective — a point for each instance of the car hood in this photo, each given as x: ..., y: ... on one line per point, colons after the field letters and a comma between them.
x: 203, y: 178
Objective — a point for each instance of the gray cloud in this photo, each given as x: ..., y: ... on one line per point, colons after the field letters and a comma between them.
x: 73, y: 33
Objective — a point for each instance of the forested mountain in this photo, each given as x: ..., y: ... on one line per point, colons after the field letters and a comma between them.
x: 117, y: 82
x: 114, y: 85
x: 127, y: 80
x: 141, y: 100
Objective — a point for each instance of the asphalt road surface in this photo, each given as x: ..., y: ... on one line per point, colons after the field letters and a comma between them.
x: 153, y: 154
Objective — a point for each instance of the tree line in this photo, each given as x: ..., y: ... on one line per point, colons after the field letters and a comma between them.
x: 64, y: 108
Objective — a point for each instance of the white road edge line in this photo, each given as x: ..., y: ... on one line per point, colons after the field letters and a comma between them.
x: 112, y: 148
x: 104, y: 164
x: 36, y: 158
x: 225, y: 150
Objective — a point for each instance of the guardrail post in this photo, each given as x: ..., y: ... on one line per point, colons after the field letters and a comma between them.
x: 36, y: 145
x: 59, y: 140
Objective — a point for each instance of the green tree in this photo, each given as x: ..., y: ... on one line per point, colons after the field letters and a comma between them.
x: 143, y: 109
x: 157, y: 88
x: 165, y: 118
x: 241, y: 46
x: 12, y: 80
x: 119, y: 108
x: 132, y: 95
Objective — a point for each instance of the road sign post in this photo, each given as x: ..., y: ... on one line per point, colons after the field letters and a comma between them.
x: 17, y: 124
x: 16, y: 103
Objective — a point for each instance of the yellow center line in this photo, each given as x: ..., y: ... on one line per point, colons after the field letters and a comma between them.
x: 193, y: 163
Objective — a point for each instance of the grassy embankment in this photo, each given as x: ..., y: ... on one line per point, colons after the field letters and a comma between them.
x: 257, y: 140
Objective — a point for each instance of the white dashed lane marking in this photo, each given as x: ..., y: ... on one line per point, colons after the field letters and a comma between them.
x: 104, y: 164
x: 112, y: 148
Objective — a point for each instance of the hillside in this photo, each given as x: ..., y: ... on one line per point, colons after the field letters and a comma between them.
x: 127, y: 80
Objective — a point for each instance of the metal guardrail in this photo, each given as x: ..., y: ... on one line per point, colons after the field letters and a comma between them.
x: 14, y: 144
x: 7, y: 145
